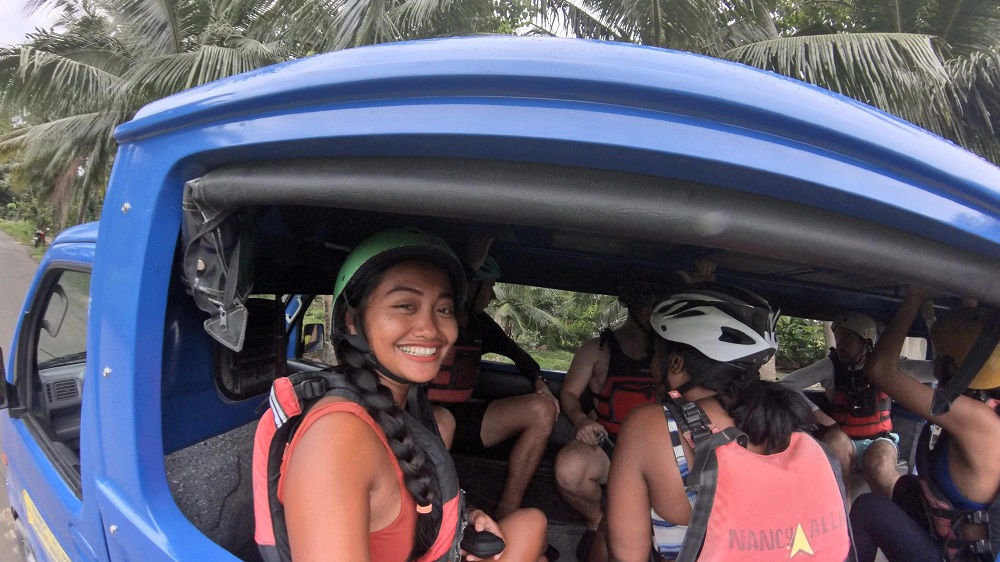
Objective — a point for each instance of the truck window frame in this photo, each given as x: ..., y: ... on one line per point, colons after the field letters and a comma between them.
x: 65, y: 461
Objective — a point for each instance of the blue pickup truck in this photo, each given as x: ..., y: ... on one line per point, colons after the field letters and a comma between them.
x: 148, y: 342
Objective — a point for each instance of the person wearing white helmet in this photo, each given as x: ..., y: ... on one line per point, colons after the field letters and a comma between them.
x: 725, y: 467
x: 859, y: 427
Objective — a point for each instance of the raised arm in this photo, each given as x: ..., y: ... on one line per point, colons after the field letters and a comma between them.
x: 969, y: 421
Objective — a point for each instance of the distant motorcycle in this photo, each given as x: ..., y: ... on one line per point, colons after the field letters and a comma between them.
x: 39, y: 238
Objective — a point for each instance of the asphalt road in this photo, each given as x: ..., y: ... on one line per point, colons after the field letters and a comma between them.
x: 16, y: 273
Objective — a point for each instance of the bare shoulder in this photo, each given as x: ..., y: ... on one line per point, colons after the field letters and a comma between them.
x: 644, y: 419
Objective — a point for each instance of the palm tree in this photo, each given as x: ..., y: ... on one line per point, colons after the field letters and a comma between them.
x: 519, y: 309
x: 936, y: 64
x: 69, y: 90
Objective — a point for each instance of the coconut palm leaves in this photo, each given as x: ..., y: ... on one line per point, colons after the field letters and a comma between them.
x: 932, y: 62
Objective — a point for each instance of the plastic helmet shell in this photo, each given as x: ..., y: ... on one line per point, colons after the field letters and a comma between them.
x: 861, y: 324
x: 723, y: 322
x: 955, y: 333
x: 385, y: 248
x: 489, y: 270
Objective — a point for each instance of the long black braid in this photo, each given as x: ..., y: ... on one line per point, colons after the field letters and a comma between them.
x: 418, y: 474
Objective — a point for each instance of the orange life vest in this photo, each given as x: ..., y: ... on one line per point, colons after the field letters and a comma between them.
x: 290, y: 400
x: 629, y: 384
x: 859, y: 408
x: 796, y: 499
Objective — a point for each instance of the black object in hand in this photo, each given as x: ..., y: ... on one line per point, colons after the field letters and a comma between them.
x: 482, y: 544
x: 605, y: 442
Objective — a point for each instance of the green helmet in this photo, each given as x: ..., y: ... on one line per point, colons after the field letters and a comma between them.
x: 385, y: 248
x: 369, y: 258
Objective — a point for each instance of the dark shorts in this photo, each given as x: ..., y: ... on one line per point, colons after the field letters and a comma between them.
x: 468, y: 425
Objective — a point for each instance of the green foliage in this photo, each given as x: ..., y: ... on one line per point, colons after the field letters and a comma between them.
x: 800, y: 342
x: 549, y: 319
x: 22, y: 232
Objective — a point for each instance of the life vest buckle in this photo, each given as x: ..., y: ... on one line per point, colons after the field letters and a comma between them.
x: 310, y: 389
x: 979, y: 517
x: 981, y: 546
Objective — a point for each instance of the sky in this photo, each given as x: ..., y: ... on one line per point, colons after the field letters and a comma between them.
x: 14, y: 23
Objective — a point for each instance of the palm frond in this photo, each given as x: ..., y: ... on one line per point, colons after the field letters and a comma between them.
x: 50, y: 148
x: 57, y: 85
x: 903, y: 74
x: 976, y: 86
x: 967, y: 26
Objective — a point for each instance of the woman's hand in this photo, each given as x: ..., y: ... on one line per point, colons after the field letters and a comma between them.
x: 477, y: 247
x: 479, y: 521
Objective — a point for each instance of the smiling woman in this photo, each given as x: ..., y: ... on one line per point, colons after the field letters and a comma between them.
x: 391, y: 494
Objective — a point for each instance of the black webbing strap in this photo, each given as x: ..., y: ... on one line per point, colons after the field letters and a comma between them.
x: 987, y: 341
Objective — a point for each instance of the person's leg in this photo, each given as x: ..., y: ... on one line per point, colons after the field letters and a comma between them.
x: 843, y: 449
x: 581, y: 470
x: 530, y: 418
x: 877, y: 523
x: 909, y: 495
x: 879, y: 466
x: 526, y: 534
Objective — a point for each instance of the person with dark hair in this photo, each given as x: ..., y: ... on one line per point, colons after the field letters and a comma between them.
x: 527, y: 419
x: 949, y: 510
x: 725, y: 468
x: 348, y: 464
x: 859, y: 427
x: 613, y: 368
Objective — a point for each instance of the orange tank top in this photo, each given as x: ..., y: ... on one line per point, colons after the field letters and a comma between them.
x: 394, y: 542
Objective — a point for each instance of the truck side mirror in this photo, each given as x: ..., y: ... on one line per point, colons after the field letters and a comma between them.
x: 312, y: 337
x: 8, y: 392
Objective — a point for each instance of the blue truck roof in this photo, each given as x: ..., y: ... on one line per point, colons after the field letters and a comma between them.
x: 952, y: 186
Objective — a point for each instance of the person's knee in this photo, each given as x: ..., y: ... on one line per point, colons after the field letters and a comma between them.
x: 571, y: 468
x: 542, y: 413
x: 867, y: 504
x: 840, y: 444
x: 880, y: 458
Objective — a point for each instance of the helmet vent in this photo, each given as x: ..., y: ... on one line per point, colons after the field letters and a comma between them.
x: 689, y: 314
x: 729, y: 335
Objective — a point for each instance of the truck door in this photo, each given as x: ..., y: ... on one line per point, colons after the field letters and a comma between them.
x: 48, y: 421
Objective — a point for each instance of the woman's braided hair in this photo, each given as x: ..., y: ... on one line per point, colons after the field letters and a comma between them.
x: 418, y: 473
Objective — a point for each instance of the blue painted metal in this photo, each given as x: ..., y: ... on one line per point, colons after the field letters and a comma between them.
x: 557, y: 101
x: 75, y: 524
x: 614, y: 107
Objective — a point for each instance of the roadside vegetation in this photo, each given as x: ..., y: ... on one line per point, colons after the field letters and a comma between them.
x: 64, y: 90
x: 22, y: 232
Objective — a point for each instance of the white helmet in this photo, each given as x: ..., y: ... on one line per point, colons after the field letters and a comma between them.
x: 860, y: 324
x: 723, y: 322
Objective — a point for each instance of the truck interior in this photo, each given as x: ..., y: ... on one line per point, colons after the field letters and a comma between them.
x: 274, y: 230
